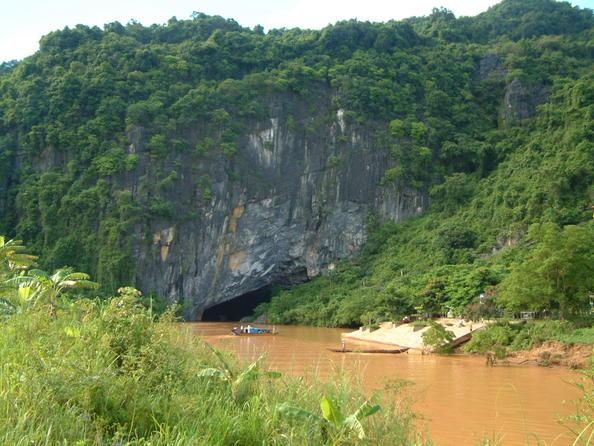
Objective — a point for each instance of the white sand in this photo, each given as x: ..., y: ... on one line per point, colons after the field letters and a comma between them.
x: 404, y: 335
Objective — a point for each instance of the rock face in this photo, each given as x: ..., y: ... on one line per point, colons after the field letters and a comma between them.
x: 520, y: 98
x: 520, y: 102
x: 491, y: 67
x: 294, y: 198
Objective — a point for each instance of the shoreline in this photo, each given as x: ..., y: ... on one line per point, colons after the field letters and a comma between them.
x: 552, y: 354
x: 410, y: 335
x: 406, y: 335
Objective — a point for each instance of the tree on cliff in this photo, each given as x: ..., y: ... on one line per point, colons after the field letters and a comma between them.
x: 558, y: 272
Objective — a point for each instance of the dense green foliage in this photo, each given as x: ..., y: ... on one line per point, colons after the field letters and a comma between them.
x: 105, y: 372
x: 509, y: 177
x: 521, y: 233
x: 437, y: 337
x: 504, y: 337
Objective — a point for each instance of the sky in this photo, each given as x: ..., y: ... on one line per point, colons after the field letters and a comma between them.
x: 24, y: 22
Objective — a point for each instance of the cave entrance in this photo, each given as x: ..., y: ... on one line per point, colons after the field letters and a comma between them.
x: 238, y: 307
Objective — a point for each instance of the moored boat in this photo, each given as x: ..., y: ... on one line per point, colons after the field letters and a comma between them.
x: 369, y: 350
x: 254, y: 331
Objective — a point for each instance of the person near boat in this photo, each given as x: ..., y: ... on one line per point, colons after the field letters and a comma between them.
x: 252, y: 330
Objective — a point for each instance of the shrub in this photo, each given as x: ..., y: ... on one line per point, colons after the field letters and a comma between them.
x: 495, y: 338
x: 535, y: 333
x: 437, y: 336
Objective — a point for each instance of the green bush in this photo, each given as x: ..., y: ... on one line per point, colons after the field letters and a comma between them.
x: 437, y: 336
x: 535, y: 333
x: 495, y: 338
x: 578, y: 336
x: 525, y: 335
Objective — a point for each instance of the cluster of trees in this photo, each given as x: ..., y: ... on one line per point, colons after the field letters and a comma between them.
x: 74, y: 116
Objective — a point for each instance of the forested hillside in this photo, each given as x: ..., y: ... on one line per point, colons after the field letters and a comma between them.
x: 111, y: 137
x: 521, y: 238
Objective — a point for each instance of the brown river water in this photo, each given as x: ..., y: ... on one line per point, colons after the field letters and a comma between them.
x: 460, y: 401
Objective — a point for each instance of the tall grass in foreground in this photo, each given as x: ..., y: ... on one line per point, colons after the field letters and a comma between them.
x: 583, y: 419
x: 104, y: 373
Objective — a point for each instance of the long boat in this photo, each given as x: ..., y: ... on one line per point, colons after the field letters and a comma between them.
x: 253, y: 331
x: 370, y: 350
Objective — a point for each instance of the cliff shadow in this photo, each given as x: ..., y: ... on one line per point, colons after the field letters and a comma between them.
x: 238, y: 307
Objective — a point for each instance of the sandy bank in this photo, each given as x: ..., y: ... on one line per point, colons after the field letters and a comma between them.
x: 552, y: 354
x: 407, y: 335
x: 549, y: 354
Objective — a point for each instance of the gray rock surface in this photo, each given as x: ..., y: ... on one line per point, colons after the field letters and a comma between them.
x: 294, y: 198
x: 520, y: 101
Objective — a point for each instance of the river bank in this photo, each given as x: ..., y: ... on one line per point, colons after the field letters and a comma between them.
x: 410, y: 335
x: 552, y: 354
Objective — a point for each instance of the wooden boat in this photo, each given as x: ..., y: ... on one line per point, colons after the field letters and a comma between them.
x: 369, y: 350
x: 253, y: 331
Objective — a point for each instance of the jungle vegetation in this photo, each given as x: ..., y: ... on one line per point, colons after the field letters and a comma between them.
x: 82, y: 370
x: 490, y: 116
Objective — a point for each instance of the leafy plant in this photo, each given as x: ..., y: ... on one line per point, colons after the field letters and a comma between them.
x: 238, y: 381
x: 39, y: 287
x: 335, y: 427
x: 13, y: 256
x: 495, y: 338
x: 437, y: 336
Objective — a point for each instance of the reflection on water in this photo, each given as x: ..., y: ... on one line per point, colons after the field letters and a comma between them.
x: 461, y: 399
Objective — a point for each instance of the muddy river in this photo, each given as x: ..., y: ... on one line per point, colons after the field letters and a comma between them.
x: 460, y: 401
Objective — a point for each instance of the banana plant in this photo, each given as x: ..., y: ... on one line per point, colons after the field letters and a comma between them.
x: 13, y: 262
x: 36, y: 286
x: 239, y: 382
x: 13, y: 256
x: 334, y: 425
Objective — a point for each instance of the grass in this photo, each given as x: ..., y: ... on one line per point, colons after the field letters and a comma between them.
x: 578, y: 336
x: 100, y: 373
x: 513, y: 336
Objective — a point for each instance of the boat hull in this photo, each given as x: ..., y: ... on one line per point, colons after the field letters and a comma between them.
x: 253, y: 331
x: 392, y: 351
x: 255, y: 334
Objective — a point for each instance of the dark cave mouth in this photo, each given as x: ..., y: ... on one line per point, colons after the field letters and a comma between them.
x: 239, y: 307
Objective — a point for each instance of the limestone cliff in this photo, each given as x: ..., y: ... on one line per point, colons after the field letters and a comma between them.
x: 520, y: 101
x: 295, y: 197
